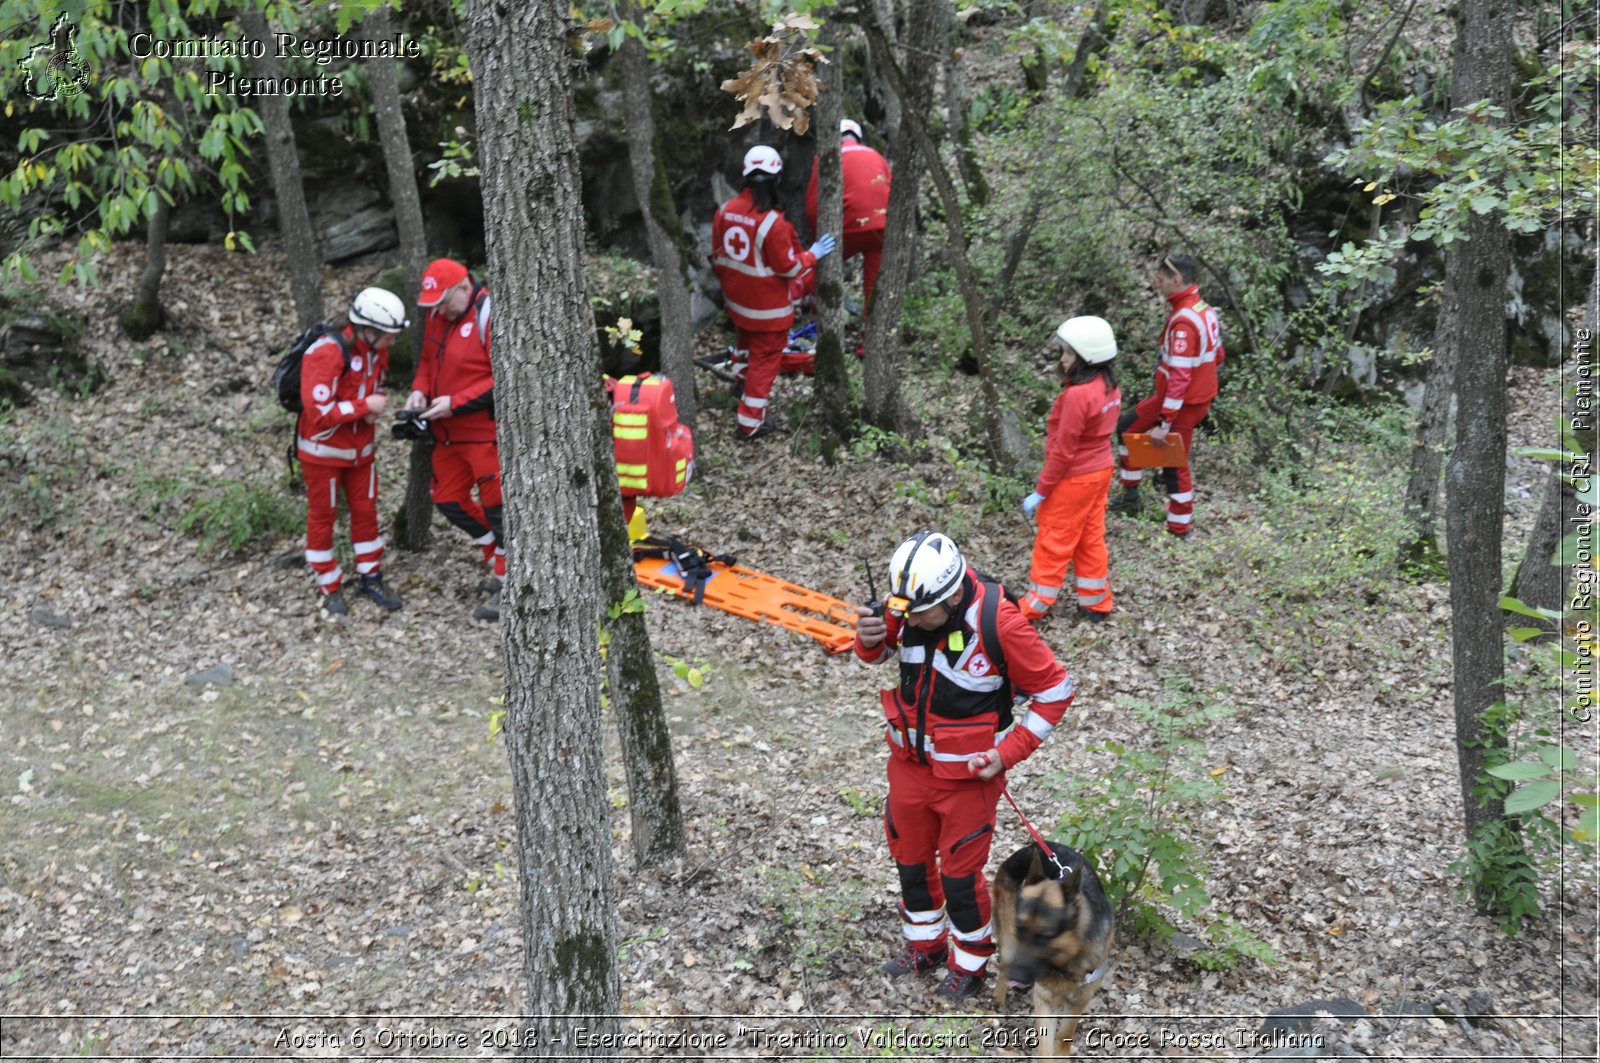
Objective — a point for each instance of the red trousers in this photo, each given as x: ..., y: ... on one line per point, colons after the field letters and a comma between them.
x: 360, y: 486
x: 1179, y: 483
x: 763, y: 356
x: 1072, y: 532
x: 939, y: 834
x: 869, y: 245
x: 457, y: 469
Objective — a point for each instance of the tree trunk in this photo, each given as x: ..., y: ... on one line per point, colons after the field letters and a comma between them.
x: 883, y: 13
x: 830, y: 387
x: 416, y: 524
x: 955, y: 107
x: 300, y: 250
x: 1475, y: 280
x: 661, y: 225
x: 971, y: 299
x: 634, y: 688
x: 546, y: 370
x: 145, y: 314
x: 881, y: 374
x: 1539, y: 581
x: 1428, y: 447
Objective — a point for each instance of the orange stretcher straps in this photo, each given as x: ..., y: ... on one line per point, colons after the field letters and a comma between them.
x: 758, y: 596
x: 1145, y: 453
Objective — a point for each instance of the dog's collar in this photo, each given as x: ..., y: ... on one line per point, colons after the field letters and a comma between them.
x: 1098, y: 973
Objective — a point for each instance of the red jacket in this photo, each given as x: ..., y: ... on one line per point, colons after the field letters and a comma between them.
x: 1191, y: 352
x: 951, y: 702
x: 1078, y: 440
x: 455, y: 362
x: 866, y: 189
x: 333, y: 401
x: 754, y: 254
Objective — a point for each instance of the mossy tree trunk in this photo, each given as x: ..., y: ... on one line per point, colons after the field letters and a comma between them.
x: 830, y: 388
x: 1475, y: 281
x: 300, y: 251
x: 415, y: 529
x: 145, y: 314
x: 546, y: 369
x: 662, y: 229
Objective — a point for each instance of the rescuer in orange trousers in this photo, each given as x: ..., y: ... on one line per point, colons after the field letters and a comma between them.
x: 1069, y: 498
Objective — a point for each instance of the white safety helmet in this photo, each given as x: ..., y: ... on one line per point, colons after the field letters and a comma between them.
x: 379, y: 309
x: 763, y: 158
x: 925, y: 570
x: 1091, y: 337
x: 847, y: 125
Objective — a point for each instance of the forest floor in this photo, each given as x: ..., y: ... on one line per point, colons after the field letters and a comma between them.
x: 317, y: 857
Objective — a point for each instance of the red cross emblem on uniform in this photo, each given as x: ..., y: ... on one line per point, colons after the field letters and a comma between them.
x: 736, y: 242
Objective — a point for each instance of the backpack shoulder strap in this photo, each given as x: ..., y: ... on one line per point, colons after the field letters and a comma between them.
x: 989, y: 624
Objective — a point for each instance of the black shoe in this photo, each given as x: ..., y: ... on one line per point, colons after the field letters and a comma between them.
x: 489, y: 610
x: 911, y: 961
x: 372, y: 587
x: 333, y: 604
x: 488, y: 585
x: 766, y: 429
x: 959, y: 985
x: 1091, y: 616
x: 1127, y: 502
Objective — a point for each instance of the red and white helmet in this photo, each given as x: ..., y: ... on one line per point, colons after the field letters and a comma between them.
x: 847, y: 125
x: 380, y: 309
x: 763, y: 158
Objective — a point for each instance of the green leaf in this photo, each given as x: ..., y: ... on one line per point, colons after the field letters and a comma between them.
x: 1515, y: 605
x: 1588, y: 828
x: 1519, y: 770
x: 695, y: 677
x: 1559, y: 757
x: 1534, y: 795
x: 1523, y: 634
x: 1545, y: 454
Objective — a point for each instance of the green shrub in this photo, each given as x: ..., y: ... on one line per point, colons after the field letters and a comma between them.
x: 235, y: 514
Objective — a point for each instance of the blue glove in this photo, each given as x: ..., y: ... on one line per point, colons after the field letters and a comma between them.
x: 824, y: 245
x: 1031, y: 503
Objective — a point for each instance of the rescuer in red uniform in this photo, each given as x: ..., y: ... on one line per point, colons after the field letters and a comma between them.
x: 755, y: 253
x: 963, y: 651
x: 866, y: 205
x: 454, y: 390
x: 1186, y: 382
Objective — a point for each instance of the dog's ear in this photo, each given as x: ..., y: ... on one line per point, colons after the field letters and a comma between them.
x: 1069, y: 885
x: 1035, y: 869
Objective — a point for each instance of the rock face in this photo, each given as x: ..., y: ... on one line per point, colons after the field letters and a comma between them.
x: 351, y: 219
x: 38, y: 351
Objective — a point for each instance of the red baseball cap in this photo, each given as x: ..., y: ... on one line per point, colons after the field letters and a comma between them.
x: 441, y: 275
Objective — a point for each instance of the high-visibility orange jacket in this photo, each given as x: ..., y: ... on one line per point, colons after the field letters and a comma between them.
x: 455, y: 362
x: 755, y: 253
x: 1191, y: 352
x: 866, y: 189
x: 1078, y: 439
x: 953, y: 700
x: 333, y: 398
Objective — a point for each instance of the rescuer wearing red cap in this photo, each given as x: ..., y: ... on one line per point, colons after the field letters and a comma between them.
x: 454, y: 390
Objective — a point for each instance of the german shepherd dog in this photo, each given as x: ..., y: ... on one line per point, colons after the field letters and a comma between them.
x: 1054, y: 934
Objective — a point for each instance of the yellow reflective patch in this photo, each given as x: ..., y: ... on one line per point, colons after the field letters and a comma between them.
x: 632, y: 470
x: 630, y: 433
x: 957, y: 642
x: 630, y: 418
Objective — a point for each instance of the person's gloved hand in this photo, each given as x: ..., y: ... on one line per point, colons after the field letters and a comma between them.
x: 824, y: 245
x: 1031, y: 503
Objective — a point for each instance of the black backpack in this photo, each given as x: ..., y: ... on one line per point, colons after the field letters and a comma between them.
x: 286, y: 377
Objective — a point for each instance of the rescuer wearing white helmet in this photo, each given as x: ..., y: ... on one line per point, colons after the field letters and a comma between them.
x: 341, y: 395
x: 1191, y: 352
x: 1069, y: 497
x: 867, y: 178
x: 953, y: 728
x: 755, y: 253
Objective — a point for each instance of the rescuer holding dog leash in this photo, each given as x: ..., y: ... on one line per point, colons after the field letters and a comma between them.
x: 951, y: 732
x: 1069, y: 498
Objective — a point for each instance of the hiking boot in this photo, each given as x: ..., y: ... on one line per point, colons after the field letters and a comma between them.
x: 1127, y: 502
x: 959, y: 985
x: 333, y: 604
x: 1091, y: 616
x: 372, y: 587
x: 763, y: 432
x: 911, y: 961
x: 489, y: 610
